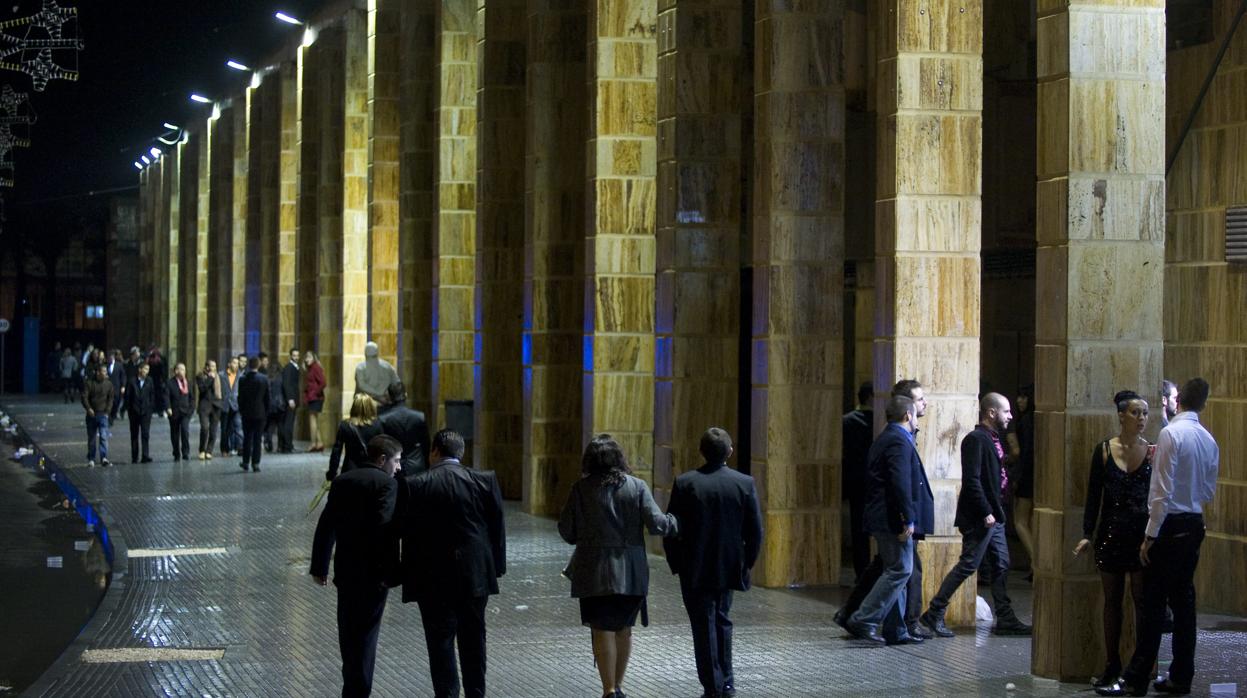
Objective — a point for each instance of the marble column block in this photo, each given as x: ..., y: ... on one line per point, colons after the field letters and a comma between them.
x: 167, y: 336
x: 188, y: 233
x: 619, y: 301
x: 700, y: 101
x: 267, y: 145
x: 383, y: 168
x: 145, y: 240
x: 501, y: 29
x: 554, y: 252
x: 354, y: 246
x: 927, y: 241
x: 330, y: 78
x: 1101, y: 128
x: 220, y: 232
x: 287, y: 205
x: 199, y: 279
x: 241, y: 114
x: 798, y: 252
x: 417, y: 96
x: 306, y: 247
x: 454, y: 221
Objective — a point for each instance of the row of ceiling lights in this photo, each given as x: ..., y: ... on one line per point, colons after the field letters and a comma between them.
x: 155, y: 152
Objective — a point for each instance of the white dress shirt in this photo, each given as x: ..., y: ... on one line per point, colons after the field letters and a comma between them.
x: 1184, y: 470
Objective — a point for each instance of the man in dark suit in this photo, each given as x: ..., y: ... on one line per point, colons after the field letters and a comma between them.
x: 981, y: 520
x: 290, y: 392
x: 899, y: 505
x: 454, y: 550
x: 357, y: 517
x: 140, y: 405
x: 253, y: 399
x: 116, y: 374
x: 409, y: 427
x: 720, y: 536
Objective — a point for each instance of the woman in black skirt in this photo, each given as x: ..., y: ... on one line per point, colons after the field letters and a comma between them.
x: 605, y: 517
x: 1121, y: 473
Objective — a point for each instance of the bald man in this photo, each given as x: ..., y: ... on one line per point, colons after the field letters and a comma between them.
x: 981, y: 520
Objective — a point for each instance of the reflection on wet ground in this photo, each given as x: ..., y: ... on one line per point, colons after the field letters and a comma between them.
x: 53, y: 571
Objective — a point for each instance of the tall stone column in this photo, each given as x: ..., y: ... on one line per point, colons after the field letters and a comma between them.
x: 310, y: 76
x: 501, y: 33
x: 267, y: 145
x: 354, y: 250
x: 698, y: 229
x: 454, y: 222
x: 239, y: 276
x: 199, y: 279
x: 287, y: 204
x: 383, y: 127
x: 170, y: 169
x: 798, y: 272
x: 188, y: 233
x: 331, y: 52
x: 618, y: 358
x: 417, y: 95
x: 255, y: 243
x: 554, y: 252
x: 220, y: 234
x: 146, y: 239
x: 1101, y: 235
x: 927, y: 241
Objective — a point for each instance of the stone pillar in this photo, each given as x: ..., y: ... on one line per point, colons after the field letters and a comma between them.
x: 499, y: 405
x: 171, y: 168
x: 553, y: 319
x: 188, y: 234
x: 310, y: 75
x: 927, y: 241
x: 220, y: 233
x: 268, y: 185
x: 698, y: 229
x: 417, y: 63
x: 798, y: 250
x: 454, y: 224
x: 1101, y: 235
x: 239, y: 276
x: 146, y: 259
x: 618, y: 361
x: 287, y: 203
x: 383, y: 125
x: 199, y: 278
x: 354, y: 251
x: 330, y: 49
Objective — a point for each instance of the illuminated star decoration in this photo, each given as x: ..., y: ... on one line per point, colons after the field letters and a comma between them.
x: 33, y: 44
x: 15, y: 111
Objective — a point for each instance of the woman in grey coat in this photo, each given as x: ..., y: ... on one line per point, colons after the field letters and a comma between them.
x: 605, y: 517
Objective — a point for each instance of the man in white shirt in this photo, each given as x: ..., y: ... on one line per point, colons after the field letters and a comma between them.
x: 1184, y: 479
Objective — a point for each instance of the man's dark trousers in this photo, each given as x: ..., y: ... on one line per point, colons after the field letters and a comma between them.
x: 285, y: 431
x: 359, y: 624
x: 712, y: 635
x: 1169, y: 577
x: 252, y: 433
x: 975, y: 545
x: 443, y: 622
x: 140, y: 427
x: 866, y: 582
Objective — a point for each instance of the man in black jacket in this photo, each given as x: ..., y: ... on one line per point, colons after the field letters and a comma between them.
x: 117, y: 375
x: 290, y: 394
x: 357, y: 518
x: 720, y: 536
x: 454, y: 550
x: 253, y: 399
x: 409, y: 427
x: 899, y: 507
x: 981, y: 520
x: 140, y: 404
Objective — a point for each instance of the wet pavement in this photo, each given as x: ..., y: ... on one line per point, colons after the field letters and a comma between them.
x: 243, y: 599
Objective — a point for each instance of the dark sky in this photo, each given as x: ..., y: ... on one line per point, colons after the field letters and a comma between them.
x: 140, y: 62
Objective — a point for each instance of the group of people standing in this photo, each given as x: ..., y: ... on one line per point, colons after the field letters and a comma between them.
x: 1144, y: 511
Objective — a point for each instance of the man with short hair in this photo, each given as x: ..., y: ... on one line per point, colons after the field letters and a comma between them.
x: 899, y: 503
x: 454, y: 550
x: 720, y: 536
x: 1168, y: 402
x: 981, y: 520
x: 410, y: 428
x: 290, y: 394
x: 140, y: 398
x: 857, y: 432
x: 253, y: 399
x: 1184, y: 480
x: 357, y: 519
x: 117, y: 376
x: 97, y: 399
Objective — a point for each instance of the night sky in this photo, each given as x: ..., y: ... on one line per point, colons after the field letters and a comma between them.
x: 140, y: 62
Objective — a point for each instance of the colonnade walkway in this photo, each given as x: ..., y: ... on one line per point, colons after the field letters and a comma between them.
x: 247, y: 601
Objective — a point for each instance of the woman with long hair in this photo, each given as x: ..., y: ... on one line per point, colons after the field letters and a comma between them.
x: 354, y: 432
x: 314, y: 398
x: 605, y: 517
x: 1021, y: 439
x: 1116, y: 515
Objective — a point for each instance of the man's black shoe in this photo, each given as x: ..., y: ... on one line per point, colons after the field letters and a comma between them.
x: 729, y: 691
x: 256, y: 468
x: 1167, y: 687
x: 916, y: 630
x: 907, y: 640
x: 1121, y: 688
x: 146, y: 460
x: 862, y: 631
x: 936, y: 624
x: 244, y: 466
x: 841, y: 619
x: 1011, y: 627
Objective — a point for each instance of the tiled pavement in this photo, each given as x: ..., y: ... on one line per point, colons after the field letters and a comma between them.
x: 277, y: 629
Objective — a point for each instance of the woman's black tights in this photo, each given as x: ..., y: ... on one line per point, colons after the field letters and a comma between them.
x: 1114, y: 595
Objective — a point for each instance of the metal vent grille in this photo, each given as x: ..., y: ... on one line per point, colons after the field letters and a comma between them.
x: 1236, y: 234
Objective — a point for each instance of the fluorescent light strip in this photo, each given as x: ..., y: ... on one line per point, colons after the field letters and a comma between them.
x: 174, y: 552
x: 124, y: 655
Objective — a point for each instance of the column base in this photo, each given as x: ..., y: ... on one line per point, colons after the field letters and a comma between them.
x: 939, y: 554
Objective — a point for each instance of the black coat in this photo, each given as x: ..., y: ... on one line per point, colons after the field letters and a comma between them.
x: 980, y: 482
x: 358, y: 518
x: 141, y: 402
x: 897, y: 491
x: 411, y: 430
x: 351, y: 441
x: 290, y: 383
x: 720, y: 523
x: 174, y: 399
x: 253, y: 396
x: 204, y: 390
x: 118, y: 377
x: 454, y: 539
x: 857, y: 431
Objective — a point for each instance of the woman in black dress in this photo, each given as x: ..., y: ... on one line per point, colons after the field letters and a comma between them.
x: 605, y: 517
x: 1116, y: 513
x: 354, y: 432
